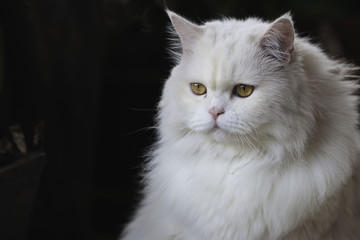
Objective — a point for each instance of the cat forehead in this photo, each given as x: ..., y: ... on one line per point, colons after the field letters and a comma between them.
x: 225, y: 54
x: 235, y: 31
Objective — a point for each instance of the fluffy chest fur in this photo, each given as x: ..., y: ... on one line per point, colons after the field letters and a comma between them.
x: 219, y: 193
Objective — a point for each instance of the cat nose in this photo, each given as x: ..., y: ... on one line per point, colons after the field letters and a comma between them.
x: 216, y: 112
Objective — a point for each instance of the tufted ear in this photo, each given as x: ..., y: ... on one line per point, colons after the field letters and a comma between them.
x: 188, y: 32
x: 278, y: 41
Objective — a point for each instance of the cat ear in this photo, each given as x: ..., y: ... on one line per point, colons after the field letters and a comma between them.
x: 187, y: 31
x: 278, y: 41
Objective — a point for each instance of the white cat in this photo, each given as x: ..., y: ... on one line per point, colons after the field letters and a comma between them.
x: 257, y: 139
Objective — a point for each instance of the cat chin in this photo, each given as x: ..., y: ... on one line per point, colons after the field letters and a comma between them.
x: 220, y: 135
x: 213, y: 132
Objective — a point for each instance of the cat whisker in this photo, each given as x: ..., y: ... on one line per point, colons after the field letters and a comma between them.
x: 251, y: 138
x: 139, y: 130
x: 254, y: 135
x: 242, y: 139
x: 186, y: 131
x: 143, y: 109
x: 238, y: 137
x: 249, y: 142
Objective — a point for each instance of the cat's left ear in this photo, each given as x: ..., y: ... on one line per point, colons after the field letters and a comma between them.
x: 188, y: 32
x: 278, y: 41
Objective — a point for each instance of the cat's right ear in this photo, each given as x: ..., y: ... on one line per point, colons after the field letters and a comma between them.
x: 279, y: 39
x: 187, y: 31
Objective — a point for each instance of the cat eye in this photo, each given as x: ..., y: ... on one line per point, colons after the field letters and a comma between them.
x: 198, y: 88
x: 243, y: 90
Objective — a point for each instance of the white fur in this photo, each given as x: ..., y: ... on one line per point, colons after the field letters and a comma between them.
x: 280, y: 164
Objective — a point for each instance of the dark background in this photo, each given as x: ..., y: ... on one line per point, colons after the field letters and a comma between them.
x: 93, y: 71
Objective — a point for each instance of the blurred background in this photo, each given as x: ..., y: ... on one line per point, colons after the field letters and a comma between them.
x: 92, y: 70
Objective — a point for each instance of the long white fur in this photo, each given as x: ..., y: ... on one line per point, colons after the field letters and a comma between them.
x: 280, y: 164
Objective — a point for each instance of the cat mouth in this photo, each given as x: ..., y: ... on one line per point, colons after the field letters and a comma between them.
x: 218, y: 128
x: 226, y: 129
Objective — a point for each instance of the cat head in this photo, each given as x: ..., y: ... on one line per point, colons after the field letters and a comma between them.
x: 233, y: 80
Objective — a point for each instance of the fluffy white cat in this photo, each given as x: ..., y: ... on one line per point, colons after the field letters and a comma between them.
x: 257, y: 139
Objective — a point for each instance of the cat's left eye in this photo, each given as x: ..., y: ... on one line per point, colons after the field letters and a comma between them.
x: 243, y: 90
x: 198, y: 88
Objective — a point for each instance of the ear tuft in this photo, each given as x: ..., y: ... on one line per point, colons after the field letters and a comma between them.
x: 278, y: 41
x: 188, y: 32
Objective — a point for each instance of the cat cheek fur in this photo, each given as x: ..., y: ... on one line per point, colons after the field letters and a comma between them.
x: 293, y: 176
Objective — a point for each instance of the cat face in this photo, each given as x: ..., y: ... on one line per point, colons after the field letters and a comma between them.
x: 218, y: 95
x: 231, y: 78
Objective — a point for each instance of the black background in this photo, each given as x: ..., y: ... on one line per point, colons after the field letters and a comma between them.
x: 93, y: 71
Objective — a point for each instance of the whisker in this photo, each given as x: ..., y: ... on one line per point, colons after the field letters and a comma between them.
x: 245, y: 136
x: 143, y: 109
x: 238, y: 137
x: 249, y: 141
x: 256, y: 140
x: 137, y: 131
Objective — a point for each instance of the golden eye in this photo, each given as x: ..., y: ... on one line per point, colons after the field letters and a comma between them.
x: 198, y: 88
x: 243, y: 90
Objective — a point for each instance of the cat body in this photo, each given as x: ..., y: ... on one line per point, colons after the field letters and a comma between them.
x: 257, y: 139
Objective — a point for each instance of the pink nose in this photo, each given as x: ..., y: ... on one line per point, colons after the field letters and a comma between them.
x: 216, y: 112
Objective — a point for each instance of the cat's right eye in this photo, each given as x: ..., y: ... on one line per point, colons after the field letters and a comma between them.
x: 198, y: 88
x: 243, y: 90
